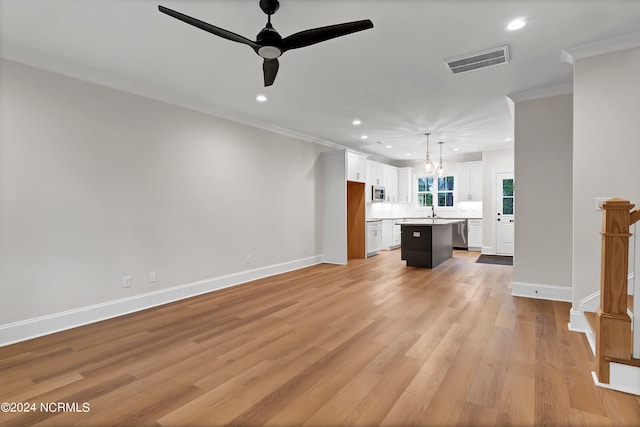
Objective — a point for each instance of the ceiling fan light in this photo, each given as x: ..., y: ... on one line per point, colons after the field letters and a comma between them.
x: 269, y: 52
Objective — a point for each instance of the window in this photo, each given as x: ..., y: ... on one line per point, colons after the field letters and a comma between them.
x: 425, y: 192
x: 445, y: 191
x: 507, y: 196
x: 429, y: 195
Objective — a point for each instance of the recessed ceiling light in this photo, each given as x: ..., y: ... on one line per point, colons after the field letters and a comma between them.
x: 516, y: 24
x: 456, y: 149
x: 507, y: 139
x: 356, y: 122
x: 364, y: 137
x: 389, y: 146
x: 261, y: 98
x: 408, y: 154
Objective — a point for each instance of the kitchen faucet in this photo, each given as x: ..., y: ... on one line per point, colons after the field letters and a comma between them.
x: 433, y: 211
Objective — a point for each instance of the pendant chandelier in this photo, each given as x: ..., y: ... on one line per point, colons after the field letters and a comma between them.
x: 428, y: 165
x: 440, y: 169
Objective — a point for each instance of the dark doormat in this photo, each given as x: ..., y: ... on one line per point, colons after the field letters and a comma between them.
x: 495, y: 259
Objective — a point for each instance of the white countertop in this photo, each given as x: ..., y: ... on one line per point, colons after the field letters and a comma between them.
x: 422, y: 218
x: 430, y: 221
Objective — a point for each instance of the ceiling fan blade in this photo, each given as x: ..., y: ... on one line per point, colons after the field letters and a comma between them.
x: 220, y: 32
x: 317, y: 35
x: 270, y: 68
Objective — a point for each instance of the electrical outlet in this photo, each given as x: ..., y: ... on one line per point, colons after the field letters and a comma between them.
x: 126, y: 282
x: 248, y: 259
x: 306, y: 249
x: 153, y: 277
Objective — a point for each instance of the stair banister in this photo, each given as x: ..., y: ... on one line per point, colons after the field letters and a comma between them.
x: 613, y: 324
x: 636, y: 291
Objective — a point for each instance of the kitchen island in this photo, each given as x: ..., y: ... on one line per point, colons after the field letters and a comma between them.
x: 426, y: 243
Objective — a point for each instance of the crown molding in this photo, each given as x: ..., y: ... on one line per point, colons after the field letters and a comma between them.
x: 601, y: 47
x: 545, y: 92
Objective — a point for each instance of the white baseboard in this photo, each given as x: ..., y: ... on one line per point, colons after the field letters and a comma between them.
x: 622, y: 378
x: 548, y: 292
x: 590, y: 302
x: 577, y: 321
x: 45, y: 325
x: 488, y: 250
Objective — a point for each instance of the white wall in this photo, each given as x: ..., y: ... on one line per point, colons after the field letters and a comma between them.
x: 334, y: 217
x: 96, y: 184
x: 493, y: 162
x: 543, y: 188
x: 606, y: 153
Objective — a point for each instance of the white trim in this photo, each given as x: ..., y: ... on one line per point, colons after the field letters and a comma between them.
x: 577, y: 321
x: 488, y: 250
x: 622, y: 378
x: 590, y: 302
x: 602, y: 47
x: 540, y: 291
x: 45, y: 325
x: 544, y: 92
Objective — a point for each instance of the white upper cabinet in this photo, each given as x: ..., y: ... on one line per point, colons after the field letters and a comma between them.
x: 405, y: 184
x: 390, y: 182
x: 374, y: 178
x: 375, y: 174
x: 356, y: 168
x: 469, y: 181
x: 380, y: 174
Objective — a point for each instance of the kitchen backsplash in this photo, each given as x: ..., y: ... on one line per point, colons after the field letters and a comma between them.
x: 409, y: 210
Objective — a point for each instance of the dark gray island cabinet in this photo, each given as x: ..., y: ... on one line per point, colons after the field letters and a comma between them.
x: 426, y: 243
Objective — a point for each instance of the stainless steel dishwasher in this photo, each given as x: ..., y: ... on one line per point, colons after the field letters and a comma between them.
x: 459, y: 234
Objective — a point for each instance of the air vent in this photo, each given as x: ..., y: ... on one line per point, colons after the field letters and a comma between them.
x: 474, y: 61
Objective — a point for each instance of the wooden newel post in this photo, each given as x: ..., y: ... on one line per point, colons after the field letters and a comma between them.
x: 613, y: 324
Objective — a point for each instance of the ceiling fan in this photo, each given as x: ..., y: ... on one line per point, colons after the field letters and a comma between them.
x: 269, y: 44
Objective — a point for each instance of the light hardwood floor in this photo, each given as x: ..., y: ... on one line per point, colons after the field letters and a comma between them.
x: 372, y: 343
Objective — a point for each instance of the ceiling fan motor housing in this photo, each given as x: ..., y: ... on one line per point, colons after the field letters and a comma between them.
x: 269, y: 41
x: 269, y: 6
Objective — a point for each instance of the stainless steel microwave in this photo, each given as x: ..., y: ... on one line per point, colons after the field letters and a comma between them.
x: 377, y: 193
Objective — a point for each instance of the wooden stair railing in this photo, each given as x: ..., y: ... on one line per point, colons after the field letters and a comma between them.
x: 612, y: 323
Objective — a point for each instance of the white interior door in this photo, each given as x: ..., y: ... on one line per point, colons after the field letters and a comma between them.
x: 505, y: 218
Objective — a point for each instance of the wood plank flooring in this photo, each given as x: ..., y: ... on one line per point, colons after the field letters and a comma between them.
x: 371, y: 343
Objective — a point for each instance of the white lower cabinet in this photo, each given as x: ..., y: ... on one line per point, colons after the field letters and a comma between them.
x: 391, y: 230
x: 397, y: 234
x: 374, y: 237
x: 475, y: 234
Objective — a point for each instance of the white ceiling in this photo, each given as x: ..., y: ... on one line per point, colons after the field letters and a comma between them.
x: 391, y: 77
